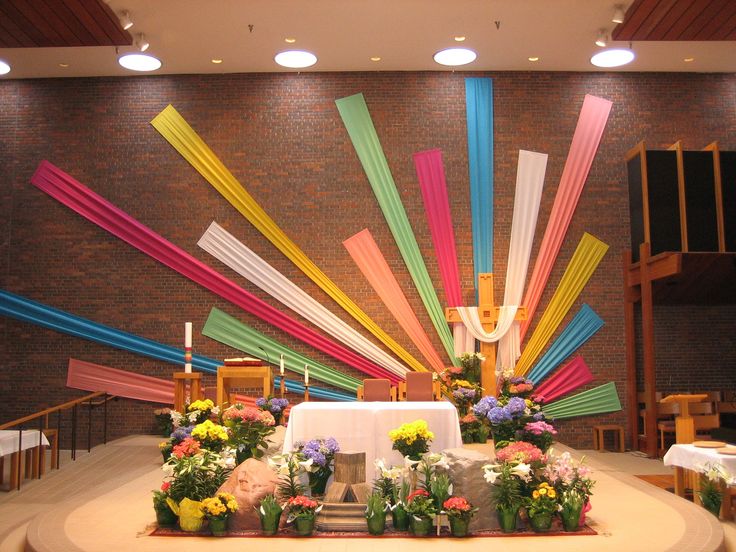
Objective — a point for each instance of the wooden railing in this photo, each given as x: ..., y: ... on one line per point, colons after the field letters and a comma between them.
x: 40, y: 421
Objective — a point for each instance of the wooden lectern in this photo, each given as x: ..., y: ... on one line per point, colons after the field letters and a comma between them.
x: 242, y: 376
x: 180, y: 389
x: 684, y: 424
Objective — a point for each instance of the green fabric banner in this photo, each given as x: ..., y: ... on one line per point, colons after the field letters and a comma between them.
x: 222, y: 327
x: 598, y: 400
x: 357, y: 120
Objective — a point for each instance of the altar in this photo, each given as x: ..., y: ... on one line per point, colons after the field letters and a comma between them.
x: 12, y: 443
x: 364, y: 426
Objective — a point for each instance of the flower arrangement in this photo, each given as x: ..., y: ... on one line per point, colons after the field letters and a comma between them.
x: 289, y: 468
x: 470, y: 363
x: 194, y: 472
x: 220, y: 506
x: 188, y: 447
x: 164, y: 514
x: 711, y: 476
x: 302, y: 506
x: 464, y: 395
x: 507, y: 479
x: 211, y: 436
x: 274, y: 405
x: 249, y: 427
x: 539, y: 433
x: 164, y: 423
x: 520, y: 452
x: 375, y: 513
x: 412, y: 439
x: 387, y: 482
x: 320, y: 456
x: 542, y: 501
x: 269, y: 512
x: 420, y: 504
x: 565, y: 474
x: 435, y: 481
x: 199, y: 411
x: 469, y: 426
x: 160, y: 496
x: 459, y: 507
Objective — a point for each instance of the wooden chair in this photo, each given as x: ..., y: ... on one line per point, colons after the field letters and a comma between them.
x: 375, y: 389
x: 419, y: 386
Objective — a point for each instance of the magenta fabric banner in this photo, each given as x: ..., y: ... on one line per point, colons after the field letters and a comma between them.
x: 585, y: 141
x: 95, y: 208
x: 371, y: 262
x: 431, y: 175
x: 571, y: 376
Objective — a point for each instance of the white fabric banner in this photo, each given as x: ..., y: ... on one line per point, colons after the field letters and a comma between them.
x: 464, y: 340
x: 222, y: 245
x: 529, y: 181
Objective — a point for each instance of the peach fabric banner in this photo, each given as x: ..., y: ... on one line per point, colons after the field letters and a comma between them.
x: 585, y: 141
x: 371, y: 262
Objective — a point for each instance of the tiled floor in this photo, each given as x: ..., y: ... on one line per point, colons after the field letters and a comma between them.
x: 102, y: 502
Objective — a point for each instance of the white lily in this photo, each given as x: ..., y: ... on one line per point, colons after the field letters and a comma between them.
x: 522, y: 471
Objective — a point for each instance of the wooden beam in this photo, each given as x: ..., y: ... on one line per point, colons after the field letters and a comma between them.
x: 650, y: 376
x: 630, y: 298
x: 718, y: 178
x: 451, y: 314
x: 677, y: 148
x: 488, y: 350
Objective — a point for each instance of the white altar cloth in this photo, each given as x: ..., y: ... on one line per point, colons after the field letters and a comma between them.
x: 9, y: 440
x: 364, y: 426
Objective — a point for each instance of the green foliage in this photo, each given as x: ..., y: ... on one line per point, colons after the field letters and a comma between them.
x: 377, y: 505
x: 197, y: 477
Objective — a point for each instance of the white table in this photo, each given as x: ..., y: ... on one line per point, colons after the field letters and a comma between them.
x: 692, y: 458
x: 9, y: 441
x: 364, y: 426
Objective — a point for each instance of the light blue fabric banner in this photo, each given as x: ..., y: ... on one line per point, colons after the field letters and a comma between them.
x: 578, y: 331
x: 479, y: 112
x: 39, y: 314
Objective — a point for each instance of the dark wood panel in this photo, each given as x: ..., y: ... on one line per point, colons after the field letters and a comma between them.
x: 728, y: 31
x: 705, y: 17
x: 12, y: 12
x: 47, y: 35
x: 11, y: 35
x: 636, y: 208
x: 728, y: 190
x: 639, y: 12
x: 100, y: 37
x: 55, y: 22
x: 68, y: 19
x: 678, y: 20
x: 664, y: 205
x: 704, y: 279
x: 700, y: 201
x: 722, y: 21
x: 106, y: 20
x: 660, y: 13
x: 686, y: 19
x: 667, y: 22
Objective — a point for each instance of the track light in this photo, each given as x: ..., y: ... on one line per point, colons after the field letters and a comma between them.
x: 125, y: 20
x: 602, y: 39
x: 141, y: 43
x: 618, y: 13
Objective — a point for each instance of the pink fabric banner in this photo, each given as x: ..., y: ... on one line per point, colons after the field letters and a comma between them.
x: 371, y: 262
x: 565, y: 380
x: 585, y: 141
x: 122, y: 383
x: 431, y: 175
x: 95, y: 208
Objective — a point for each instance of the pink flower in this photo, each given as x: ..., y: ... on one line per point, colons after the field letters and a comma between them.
x: 188, y: 447
x: 241, y: 413
x: 537, y: 428
x: 267, y: 419
x: 519, y: 451
x: 468, y: 419
x: 457, y: 503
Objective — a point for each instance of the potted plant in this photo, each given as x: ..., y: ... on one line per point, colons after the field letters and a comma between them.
x: 541, y: 506
x: 164, y: 514
x: 321, y: 453
x: 572, y: 502
x: 218, y: 510
x: 164, y: 424
x: 421, y: 509
x: 302, y: 511
x: 540, y: 434
x: 199, y: 411
x: 375, y: 513
x: 506, y: 479
x: 274, y: 405
x: 399, y: 515
x: 289, y: 467
x: 459, y: 511
x: 571, y: 479
x: 269, y: 512
x: 470, y: 363
x: 469, y: 425
x: 211, y: 436
x: 710, y: 493
x: 249, y: 427
x: 412, y: 439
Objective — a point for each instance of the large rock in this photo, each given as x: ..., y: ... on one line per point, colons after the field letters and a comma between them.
x: 275, y: 442
x: 466, y: 474
x: 249, y: 483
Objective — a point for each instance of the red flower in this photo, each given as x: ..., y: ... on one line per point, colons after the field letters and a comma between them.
x: 418, y: 492
x: 457, y: 503
x: 165, y: 486
x: 302, y: 501
x: 188, y: 447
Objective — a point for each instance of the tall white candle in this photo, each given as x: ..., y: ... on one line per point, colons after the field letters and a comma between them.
x: 306, y: 374
x: 187, y: 334
x: 187, y: 347
x: 281, y: 364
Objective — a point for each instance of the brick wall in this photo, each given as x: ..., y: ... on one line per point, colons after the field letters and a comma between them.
x: 281, y: 136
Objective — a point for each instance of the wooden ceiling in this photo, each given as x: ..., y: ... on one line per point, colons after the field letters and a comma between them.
x: 59, y: 23
x: 678, y: 20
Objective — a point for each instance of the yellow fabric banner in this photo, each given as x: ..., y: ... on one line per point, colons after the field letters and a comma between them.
x: 584, y: 261
x: 172, y: 126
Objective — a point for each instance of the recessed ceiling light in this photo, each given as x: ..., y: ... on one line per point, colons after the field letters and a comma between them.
x: 4, y: 68
x: 455, y: 56
x: 139, y: 62
x: 125, y: 20
x: 602, y: 39
x: 64, y: 65
x: 376, y: 58
x: 216, y: 61
x: 290, y: 40
x: 533, y: 58
x: 615, y: 57
x: 295, y: 59
x: 688, y: 59
x: 618, y: 14
x: 459, y: 38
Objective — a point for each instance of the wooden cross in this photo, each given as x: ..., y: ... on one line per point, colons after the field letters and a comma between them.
x: 488, y: 313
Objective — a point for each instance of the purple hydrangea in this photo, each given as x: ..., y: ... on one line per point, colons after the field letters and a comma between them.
x: 516, y: 405
x: 277, y: 405
x: 539, y: 416
x: 499, y: 414
x: 464, y: 394
x: 484, y: 405
x: 181, y: 433
x: 321, y: 451
x: 261, y: 402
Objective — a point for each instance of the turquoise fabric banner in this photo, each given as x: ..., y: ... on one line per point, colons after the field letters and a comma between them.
x: 578, y: 331
x: 479, y: 112
x: 32, y: 312
x: 358, y: 122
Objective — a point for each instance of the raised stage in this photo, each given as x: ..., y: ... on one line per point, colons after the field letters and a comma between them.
x: 114, y: 512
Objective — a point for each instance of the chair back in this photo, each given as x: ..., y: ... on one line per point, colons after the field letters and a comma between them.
x: 375, y: 389
x: 706, y: 422
x: 419, y: 386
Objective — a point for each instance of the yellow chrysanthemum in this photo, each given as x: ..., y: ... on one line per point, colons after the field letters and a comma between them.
x: 535, y: 494
x: 543, y: 491
x: 551, y: 493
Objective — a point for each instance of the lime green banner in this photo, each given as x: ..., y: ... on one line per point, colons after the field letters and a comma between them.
x: 357, y: 120
x: 598, y: 400
x: 222, y: 327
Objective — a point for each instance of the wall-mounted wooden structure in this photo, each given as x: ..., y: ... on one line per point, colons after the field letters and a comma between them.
x: 682, y: 206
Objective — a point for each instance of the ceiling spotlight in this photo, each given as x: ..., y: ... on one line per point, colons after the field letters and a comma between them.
x: 141, y: 43
x: 455, y: 56
x: 4, y: 68
x: 533, y: 58
x: 602, y: 39
x: 216, y: 61
x: 64, y: 65
x: 614, y: 57
x: 295, y: 59
x: 618, y: 13
x: 290, y: 40
x: 459, y: 39
x: 139, y: 62
x: 688, y: 59
x: 125, y: 20
x: 375, y: 58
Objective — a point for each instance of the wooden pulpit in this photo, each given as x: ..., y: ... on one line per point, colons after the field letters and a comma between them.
x: 242, y: 376
x: 684, y: 424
